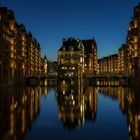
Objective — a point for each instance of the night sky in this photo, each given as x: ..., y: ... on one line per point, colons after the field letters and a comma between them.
x: 52, y: 20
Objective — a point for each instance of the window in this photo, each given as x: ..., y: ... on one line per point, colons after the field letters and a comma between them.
x: 62, y: 56
x: 81, y: 59
x: 67, y: 56
x: 75, y: 56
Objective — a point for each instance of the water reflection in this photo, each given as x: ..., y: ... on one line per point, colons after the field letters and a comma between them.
x: 18, y: 109
x: 77, y: 106
x: 129, y: 103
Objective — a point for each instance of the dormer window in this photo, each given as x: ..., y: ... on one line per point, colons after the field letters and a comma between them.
x: 71, y: 48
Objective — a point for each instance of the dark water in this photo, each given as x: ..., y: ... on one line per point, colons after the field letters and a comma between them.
x: 35, y: 113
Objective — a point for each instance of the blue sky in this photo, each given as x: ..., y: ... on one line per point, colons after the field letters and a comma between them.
x: 52, y: 20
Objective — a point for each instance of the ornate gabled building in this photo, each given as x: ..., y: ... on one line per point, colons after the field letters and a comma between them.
x: 71, y: 58
x: 77, y: 58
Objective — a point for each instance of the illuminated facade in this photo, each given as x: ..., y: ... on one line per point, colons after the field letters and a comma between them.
x: 71, y: 58
x: 77, y: 58
x: 108, y: 64
x: 36, y: 58
x: 7, y: 45
x: 44, y: 66
x: 128, y: 54
x: 123, y: 60
x: 19, y: 51
x: 133, y: 39
x: 90, y: 57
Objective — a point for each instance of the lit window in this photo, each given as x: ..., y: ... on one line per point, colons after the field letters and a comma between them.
x: 11, y: 65
x: 135, y: 24
x: 81, y: 60
x: 136, y: 47
x: 63, y: 92
x: 12, y: 26
x: 135, y: 39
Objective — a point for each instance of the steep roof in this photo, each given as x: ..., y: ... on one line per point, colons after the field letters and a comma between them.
x: 70, y: 45
x: 88, y: 45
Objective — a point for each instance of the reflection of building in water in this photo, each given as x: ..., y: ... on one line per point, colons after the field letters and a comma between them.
x: 91, y: 102
x: 44, y: 91
x: 129, y: 103
x: 18, y: 110
x: 107, y: 82
x: 76, y: 106
x: 133, y: 114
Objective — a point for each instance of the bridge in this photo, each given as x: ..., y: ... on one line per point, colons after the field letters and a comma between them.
x: 40, y: 80
x: 108, y: 79
x: 106, y: 75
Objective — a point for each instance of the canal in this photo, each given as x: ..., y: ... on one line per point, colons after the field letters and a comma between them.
x: 66, y: 113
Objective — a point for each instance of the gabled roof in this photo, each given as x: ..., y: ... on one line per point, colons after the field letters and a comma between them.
x: 70, y: 45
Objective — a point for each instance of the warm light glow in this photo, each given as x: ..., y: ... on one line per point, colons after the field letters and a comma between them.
x: 135, y: 23
x: 12, y: 25
x: 11, y: 41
